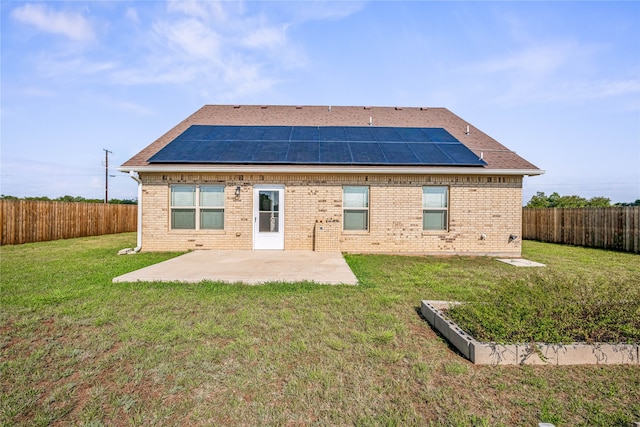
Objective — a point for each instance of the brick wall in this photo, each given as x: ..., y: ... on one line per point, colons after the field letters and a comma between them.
x: 483, y: 212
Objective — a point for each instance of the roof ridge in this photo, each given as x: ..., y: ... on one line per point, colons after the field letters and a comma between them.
x: 327, y: 106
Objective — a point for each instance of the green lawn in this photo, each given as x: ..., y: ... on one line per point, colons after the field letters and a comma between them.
x: 77, y: 349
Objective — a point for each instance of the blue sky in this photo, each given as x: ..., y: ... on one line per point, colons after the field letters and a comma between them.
x: 557, y: 82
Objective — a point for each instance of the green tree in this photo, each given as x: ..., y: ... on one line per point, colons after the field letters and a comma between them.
x: 39, y: 199
x: 539, y: 200
x: 599, y: 202
x: 555, y: 200
x: 636, y: 203
x: 68, y: 198
x: 123, y: 201
x: 571, y: 202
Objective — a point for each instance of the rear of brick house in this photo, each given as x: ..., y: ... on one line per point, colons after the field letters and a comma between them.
x: 200, y: 189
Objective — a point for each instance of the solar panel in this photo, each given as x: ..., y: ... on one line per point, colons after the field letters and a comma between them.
x: 359, y: 134
x: 439, y: 135
x: 209, y: 150
x: 277, y: 133
x: 196, y: 132
x: 338, y: 145
x: 413, y: 135
x: 430, y: 154
x: 459, y: 153
x: 305, y: 133
x: 399, y: 154
x: 304, y: 152
x: 367, y: 153
x: 270, y: 151
x: 386, y: 134
x: 250, y: 133
x: 223, y: 133
x: 334, y: 152
x: 238, y: 153
x: 332, y: 133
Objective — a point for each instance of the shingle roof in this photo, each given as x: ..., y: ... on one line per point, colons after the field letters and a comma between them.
x: 496, y: 155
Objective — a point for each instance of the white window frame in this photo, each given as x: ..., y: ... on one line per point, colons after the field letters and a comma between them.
x: 431, y: 207
x: 198, y: 206
x: 363, y: 209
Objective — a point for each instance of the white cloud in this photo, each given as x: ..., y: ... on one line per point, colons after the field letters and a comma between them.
x: 38, y: 92
x: 578, y: 91
x: 131, y: 14
x: 562, y: 71
x: 72, y: 66
x: 534, y: 60
x: 220, y: 46
x: 69, y: 24
x: 190, y: 38
x: 266, y: 37
x: 609, y: 88
x: 327, y: 10
x: 212, y: 11
x: 133, y: 108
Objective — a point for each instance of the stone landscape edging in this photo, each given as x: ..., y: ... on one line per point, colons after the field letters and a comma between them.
x: 489, y: 353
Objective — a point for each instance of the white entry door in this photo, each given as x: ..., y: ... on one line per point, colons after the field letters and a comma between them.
x: 268, y: 217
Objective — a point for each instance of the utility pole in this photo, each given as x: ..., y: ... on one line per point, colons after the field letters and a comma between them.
x: 106, y: 175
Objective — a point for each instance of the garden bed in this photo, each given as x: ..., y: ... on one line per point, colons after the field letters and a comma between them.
x: 533, y: 353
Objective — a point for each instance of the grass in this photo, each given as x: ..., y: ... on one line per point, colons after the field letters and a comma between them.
x: 77, y: 349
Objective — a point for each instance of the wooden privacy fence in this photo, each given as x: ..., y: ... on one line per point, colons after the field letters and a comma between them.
x: 25, y: 221
x: 607, y: 228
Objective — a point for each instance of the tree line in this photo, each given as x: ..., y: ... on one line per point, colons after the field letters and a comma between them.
x: 555, y: 200
x: 71, y: 199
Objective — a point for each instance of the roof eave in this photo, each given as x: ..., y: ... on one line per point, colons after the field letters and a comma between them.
x: 409, y: 170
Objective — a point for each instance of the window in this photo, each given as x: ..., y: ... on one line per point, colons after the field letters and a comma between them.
x: 212, y: 207
x: 183, y: 202
x: 197, y: 207
x: 435, y: 202
x: 355, y: 202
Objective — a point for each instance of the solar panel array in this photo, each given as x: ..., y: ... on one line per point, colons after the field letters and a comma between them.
x: 312, y: 145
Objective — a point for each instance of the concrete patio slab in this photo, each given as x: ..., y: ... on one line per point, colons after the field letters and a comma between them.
x: 519, y: 262
x: 251, y: 267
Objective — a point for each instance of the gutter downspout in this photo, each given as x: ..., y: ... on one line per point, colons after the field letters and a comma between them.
x: 132, y: 174
x: 129, y: 251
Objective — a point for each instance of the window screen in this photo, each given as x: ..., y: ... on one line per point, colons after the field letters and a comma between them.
x: 355, y: 201
x: 435, y: 207
x: 196, y: 207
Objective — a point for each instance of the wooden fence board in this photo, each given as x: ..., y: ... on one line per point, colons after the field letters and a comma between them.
x: 616, y: 228
x: 26, y: 221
